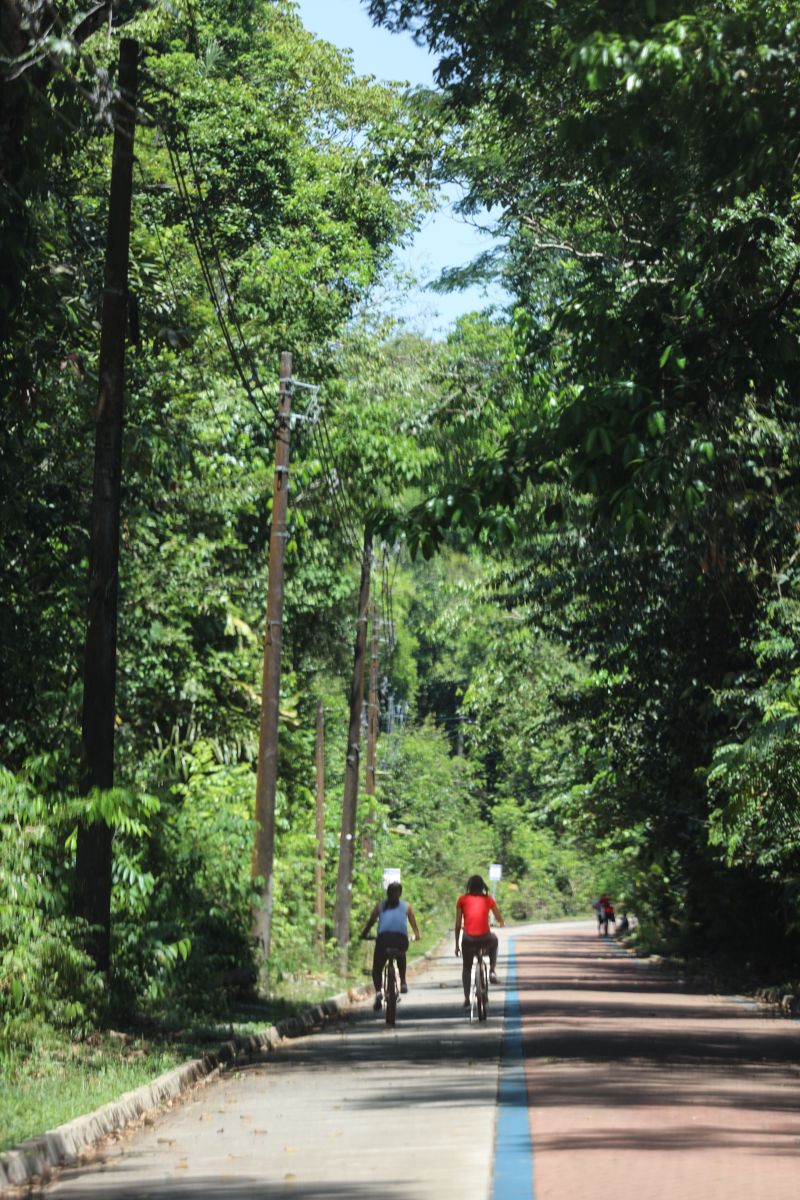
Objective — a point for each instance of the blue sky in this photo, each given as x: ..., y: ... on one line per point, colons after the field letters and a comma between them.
x: 445, y: 240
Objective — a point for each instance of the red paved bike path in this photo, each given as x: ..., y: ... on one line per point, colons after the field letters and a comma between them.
x: 640, y: 1087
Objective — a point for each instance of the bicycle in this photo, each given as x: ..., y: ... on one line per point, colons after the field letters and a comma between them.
x: 478, y: 987
x: 391, y: 988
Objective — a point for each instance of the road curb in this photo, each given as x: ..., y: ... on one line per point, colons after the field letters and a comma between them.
x: 37, y: 1158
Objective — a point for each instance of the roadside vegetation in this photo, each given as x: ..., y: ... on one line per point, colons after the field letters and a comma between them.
x: 585, y: 509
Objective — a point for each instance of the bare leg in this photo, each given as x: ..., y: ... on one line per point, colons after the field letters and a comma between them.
x: 377, y: 967
x: 467, y: 955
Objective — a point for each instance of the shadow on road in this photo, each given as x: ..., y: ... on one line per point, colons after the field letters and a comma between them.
x: 599, y: 1032
x: 241, y: 1188
x: 605, y: 1031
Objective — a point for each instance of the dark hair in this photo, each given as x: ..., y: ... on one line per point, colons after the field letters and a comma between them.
x: 393, y: 893
x: 476, y: 886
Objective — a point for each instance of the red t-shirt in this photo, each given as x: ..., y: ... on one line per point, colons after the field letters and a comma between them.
x: 475, y: 910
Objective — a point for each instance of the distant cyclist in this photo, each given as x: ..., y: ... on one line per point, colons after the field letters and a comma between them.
x: 472, y: 911
x: 605, y: 912
x: 393, y: 916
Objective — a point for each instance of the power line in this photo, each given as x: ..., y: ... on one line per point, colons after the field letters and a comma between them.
x: 328, y: 460
x: 195, y: 234
x: 228, y: 293
x: 155, y: 227
x: 350, y: 511
x: 201, y: 234
x: 349, y: 533
x: 231, y: 311
x: 148, y: 119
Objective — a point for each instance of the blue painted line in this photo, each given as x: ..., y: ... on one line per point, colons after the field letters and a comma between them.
x: 513, y: 1151
x: 745, y: 1002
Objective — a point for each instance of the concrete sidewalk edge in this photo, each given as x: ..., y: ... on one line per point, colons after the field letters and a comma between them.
x: 36, y: 1158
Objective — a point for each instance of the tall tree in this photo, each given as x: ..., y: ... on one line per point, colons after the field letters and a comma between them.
x: 644, y: 161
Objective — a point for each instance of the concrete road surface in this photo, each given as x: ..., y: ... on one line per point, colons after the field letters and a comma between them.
x: 361, y: 1110
x: 612, y: 1081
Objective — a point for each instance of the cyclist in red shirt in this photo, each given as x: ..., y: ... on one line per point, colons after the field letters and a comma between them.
x: 605, y: 913
x: 472, y: 911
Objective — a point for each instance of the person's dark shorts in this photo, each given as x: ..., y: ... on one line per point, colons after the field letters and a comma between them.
x: 383, y: 942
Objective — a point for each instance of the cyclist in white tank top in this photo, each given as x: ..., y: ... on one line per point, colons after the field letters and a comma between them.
x: 393, y: 916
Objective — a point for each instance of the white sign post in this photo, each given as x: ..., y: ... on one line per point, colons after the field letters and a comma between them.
x: 495, y: 875
x: 390, y: 875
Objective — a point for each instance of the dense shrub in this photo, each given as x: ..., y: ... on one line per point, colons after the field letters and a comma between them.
x: 46, y: 975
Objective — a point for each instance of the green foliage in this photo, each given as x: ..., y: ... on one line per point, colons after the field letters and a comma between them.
x: 544, y: 875
x: 488, y: 684
x: 598, y: 673
x: 182, y: 897
x: 306, y: 177
x: 302, y: 179
x: 637, y: 157
x: 46, y: 975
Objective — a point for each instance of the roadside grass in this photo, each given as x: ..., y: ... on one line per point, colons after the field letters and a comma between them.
x: 57, y: 1079
x: 58, y: 1076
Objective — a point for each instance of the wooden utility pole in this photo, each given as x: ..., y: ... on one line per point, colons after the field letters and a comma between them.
x: 373, y: 709
x: 319, y: 867
x: 94, y: 855
x: 373, y: 720
x: 267, y: 769
x: 344, y: 882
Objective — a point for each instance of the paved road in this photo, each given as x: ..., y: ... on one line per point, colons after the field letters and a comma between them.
x: 638, y: 1088
x: 359, y: 1111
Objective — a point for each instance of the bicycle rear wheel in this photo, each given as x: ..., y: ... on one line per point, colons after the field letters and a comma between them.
x: 483, y: 990
x: 390, y: 992
x: 473, y: 991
